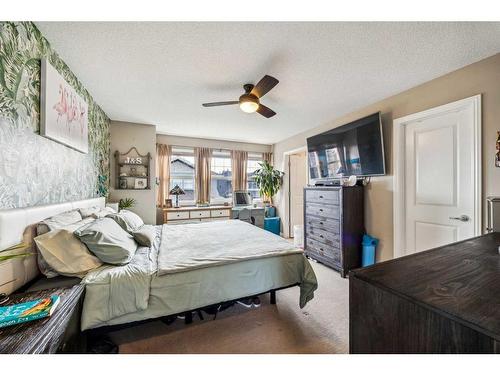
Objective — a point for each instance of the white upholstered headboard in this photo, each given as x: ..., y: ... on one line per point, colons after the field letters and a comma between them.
x: 19, y: 225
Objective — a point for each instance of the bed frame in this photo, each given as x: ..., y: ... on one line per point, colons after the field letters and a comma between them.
x: 188, y: 315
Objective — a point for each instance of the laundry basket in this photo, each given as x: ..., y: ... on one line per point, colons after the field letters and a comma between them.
x: 298, y: 236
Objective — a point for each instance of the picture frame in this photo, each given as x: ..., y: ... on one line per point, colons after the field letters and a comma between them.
x: 123, y: 183
x: 140, y: 183
x: 168, y: 203
x: 63, y: 112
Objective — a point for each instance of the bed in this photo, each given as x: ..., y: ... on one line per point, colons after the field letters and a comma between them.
x: 189, y: 266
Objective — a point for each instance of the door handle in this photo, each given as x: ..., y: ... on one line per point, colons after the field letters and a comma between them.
x: 461, y: 218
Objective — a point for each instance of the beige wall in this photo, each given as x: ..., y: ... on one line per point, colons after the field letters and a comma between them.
x: 482, y: 77
x: 124, y: 135
x: 212, y: 143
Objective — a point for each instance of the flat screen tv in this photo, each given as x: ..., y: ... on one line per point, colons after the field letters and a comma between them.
x: 355, y: 149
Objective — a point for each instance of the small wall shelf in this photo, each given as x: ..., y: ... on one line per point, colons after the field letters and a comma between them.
x: 132, y: 170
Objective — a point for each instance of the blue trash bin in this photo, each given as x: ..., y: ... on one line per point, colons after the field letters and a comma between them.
x: 272, y: 224
x: 369, y: 246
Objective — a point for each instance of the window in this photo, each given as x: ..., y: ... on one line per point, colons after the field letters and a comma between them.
x: 222, y: 187
x: 182, y: 173
x: 253, y: 163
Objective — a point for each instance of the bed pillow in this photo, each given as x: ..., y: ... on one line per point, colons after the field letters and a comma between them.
x: 58, y: 221
x: 128, y: 220
x: 64, y: 254
x: 103, y: 212
x: 108, y: 241
x: 96, y: 212
x: 145, y: 235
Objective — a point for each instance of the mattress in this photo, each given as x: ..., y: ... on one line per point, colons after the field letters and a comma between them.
x: 138, y: 291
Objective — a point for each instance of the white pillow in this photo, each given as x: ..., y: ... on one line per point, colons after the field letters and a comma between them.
x: 96, y: 212
x: 128, y: 220
x: 89, y: 211
x: 65, y: 253
x: 58, y: 221
x: 103, y: 212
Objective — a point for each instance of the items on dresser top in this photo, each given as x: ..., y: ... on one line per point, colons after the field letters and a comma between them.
x: 334, y: 226
x: 59, y: 333
x: 192, y: 214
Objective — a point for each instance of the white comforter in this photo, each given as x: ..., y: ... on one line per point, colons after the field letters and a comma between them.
x: 209, y: 244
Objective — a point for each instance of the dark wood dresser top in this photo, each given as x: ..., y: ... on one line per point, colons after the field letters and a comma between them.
x: 460, y: 281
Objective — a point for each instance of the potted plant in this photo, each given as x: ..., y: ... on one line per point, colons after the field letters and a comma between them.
x: 269, y: 181
x: 126, y: 203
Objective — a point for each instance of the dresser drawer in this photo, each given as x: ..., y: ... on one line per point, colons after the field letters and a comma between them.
x: 329, y: 225
x: 323, y: 196
x: 323, y: 236
x: 220, y: 213
x: 330, y: 252
x: 181, y: 215
x: 198, y: 214
x: 326, y: 211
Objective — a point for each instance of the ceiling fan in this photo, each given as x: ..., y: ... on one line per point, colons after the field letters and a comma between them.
x: 250, y: 101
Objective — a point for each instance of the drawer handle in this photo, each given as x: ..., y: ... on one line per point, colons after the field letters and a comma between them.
x: 321, y: 210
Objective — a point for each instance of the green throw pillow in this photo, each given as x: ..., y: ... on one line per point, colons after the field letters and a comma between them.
x: 108, y: 241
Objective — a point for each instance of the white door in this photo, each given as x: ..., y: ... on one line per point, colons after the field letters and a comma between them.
x: 440, y: 176
x: 298, y: 180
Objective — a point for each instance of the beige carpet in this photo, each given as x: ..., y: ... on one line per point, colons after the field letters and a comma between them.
x: 321, y: 327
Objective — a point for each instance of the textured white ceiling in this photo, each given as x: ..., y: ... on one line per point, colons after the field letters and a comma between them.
x: 160, y: 73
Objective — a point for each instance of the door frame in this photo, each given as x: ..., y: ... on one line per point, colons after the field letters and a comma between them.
x: 286, y: 185
x: 399, y: 158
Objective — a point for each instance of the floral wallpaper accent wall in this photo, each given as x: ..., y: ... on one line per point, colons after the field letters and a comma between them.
x: 33, y: 169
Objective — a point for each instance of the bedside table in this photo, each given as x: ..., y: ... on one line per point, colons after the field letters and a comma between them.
x: 59, y: 333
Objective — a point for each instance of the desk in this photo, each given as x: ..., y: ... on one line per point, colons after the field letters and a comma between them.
x: 257, y: 213
x: 193, y: 214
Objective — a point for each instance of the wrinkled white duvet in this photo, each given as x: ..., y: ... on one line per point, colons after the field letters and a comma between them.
x: 216, y: 243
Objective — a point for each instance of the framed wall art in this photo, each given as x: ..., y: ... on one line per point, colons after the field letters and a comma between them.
x: 63, y: 112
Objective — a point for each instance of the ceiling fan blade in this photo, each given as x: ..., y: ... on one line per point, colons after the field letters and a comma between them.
x: 265, y: 111
x: 216, y: 104
x: 264, y: 86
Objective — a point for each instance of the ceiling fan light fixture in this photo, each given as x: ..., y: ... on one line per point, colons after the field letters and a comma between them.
x: 249, y: 103
x: 249, y: 107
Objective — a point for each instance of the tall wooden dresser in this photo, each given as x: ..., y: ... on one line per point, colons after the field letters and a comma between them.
x: 334, y: 226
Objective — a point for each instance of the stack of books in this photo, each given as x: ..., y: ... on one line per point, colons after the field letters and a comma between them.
x: 27, y: 311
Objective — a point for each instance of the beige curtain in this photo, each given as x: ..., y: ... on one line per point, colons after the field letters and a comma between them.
x: 203, y: 174
x: 163, y: 155
x: 239, y: 169
x: 268, y: 156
